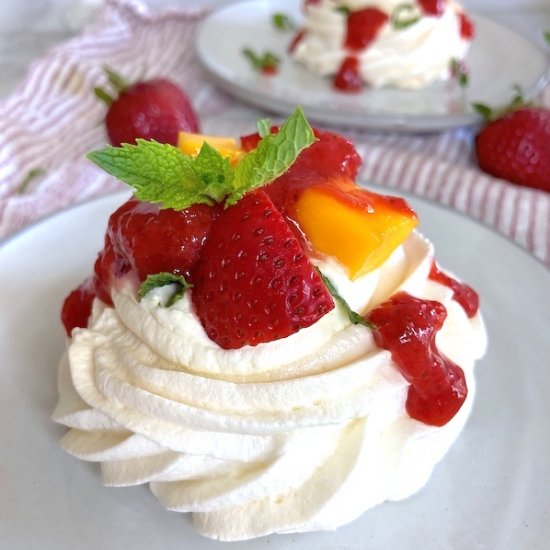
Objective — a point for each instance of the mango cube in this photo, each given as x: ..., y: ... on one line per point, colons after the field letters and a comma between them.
x: 191, y: 144
x: 359, y: 228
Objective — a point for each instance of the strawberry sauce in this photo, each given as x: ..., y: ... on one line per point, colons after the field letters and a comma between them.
x: 348, y: 78
x: 433, y: 7
x: 407, y: 326
x: 465, y: 295
x: 467, y: 29
x: 363, y: 27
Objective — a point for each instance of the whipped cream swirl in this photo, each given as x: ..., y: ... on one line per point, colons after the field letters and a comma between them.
x: 301, y: 434
x: 411, y: 57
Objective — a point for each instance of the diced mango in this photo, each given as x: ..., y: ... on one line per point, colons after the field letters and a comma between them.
x: 361, y: 232
x: 191, y: 144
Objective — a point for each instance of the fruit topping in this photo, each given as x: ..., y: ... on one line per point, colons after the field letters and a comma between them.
x: 151, y: 240
x: 253, y: 283
x: 78, y: 306
x: 514, y: 144
x: 464, y: 294
x: 363, y: 27
x: 359, y: 228
x: 433, y: 7
x: 151, y: 109
x: 329, y: 156
x: 467, y: 28
x: 348, y: 78
x: 407, y: 327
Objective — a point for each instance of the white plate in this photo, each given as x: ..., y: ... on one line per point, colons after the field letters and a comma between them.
x: 498, y: 60
x: 490, y: 491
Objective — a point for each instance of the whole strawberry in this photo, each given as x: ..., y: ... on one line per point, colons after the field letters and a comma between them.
x: 515, y: 145
x: 151, y: 109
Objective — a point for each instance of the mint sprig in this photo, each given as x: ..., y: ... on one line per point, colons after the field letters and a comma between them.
x: 162, y: 174
x: 163, y: 279
x: 404, y: 16
x: 353, y: 316
x: 273, y: 156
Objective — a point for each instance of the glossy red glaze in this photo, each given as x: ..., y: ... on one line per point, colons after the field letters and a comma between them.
x: 467, y: 29
x: 465, y: 295
x: 77, y: 307
x: 433, y: 7
x: 348, y: 79
x: 363, y: 27
x: 407, y: 326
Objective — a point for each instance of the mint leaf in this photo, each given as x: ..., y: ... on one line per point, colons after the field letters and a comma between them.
x: 354, y: 317
x: 159, y: 173
x: 404, y: 16
x: 215, y: 172
x: 282, y: 22
x: 262, y: 62
x: 273, y: 156
x: 163, y: 279
x: 264, y: 127
x: 459, y: 70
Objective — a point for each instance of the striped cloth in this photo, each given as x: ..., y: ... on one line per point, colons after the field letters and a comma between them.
x: 53, y: 119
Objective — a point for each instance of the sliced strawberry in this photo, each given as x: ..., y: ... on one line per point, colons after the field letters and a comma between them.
x: 330, y: 157
x: 151, y: 240
x: 253, y: 282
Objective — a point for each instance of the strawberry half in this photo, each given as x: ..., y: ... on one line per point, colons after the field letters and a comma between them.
x: 253, y: 282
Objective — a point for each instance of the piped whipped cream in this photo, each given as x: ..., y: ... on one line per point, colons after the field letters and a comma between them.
x: 300, y: 434
x: 400, y: 56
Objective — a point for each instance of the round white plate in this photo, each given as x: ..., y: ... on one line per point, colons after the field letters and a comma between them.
x: 499, y: 59
x: 490, y: 491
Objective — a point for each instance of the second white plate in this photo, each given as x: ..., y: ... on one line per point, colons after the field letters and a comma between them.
x: 225, y: 33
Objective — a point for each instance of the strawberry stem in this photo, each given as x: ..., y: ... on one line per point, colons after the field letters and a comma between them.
x: 116, y: 80
x: 102, y: 95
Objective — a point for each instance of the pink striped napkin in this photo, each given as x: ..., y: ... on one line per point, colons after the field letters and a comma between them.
x: 52, y: 120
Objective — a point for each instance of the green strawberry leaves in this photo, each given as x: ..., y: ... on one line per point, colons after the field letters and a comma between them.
x: 162, y: 174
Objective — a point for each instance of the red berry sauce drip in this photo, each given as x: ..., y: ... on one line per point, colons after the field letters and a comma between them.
x: 348, y: 78
x: 465, y: 295
x: 363, y: 27
x: 407, y: 326
x: 296, y: 40
x: 467, y: 29
x: 433, y: 7
x: 78, y: 306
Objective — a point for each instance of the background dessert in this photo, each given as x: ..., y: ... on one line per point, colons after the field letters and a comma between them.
x: 383, y: 42
x: 290, y: 434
